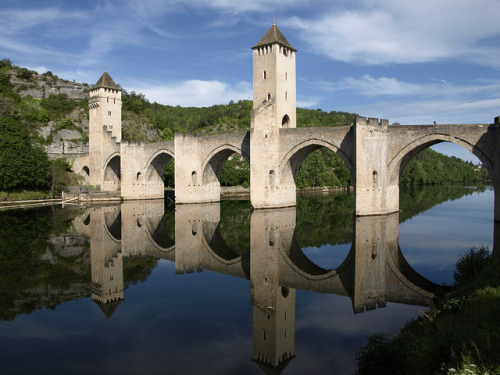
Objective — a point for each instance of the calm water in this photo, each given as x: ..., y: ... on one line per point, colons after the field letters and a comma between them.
x: 219, y: 289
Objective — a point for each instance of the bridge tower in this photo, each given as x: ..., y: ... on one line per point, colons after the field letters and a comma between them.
x: 105, y: 132
x: 274, y: 77
x: 274, y: 108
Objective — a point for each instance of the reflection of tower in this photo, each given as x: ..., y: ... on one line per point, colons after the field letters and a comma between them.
x: 106, y: 259
x: 273, y: 306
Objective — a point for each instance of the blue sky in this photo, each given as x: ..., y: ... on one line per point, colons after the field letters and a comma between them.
x: 412, y: 62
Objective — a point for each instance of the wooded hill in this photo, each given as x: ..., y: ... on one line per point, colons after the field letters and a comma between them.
x: 45, y: 105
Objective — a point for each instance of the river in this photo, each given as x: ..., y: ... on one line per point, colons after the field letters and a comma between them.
x: 218, y: 289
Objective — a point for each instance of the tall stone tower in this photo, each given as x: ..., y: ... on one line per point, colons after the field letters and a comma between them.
x: 274, y: 76
x: 105, y: 125
x: 274, y: 108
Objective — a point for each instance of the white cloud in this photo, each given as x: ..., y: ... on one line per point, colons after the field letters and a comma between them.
x: 310, y: 102
x: 420, y: 103
x: 391, y: 31
x: 426, y: 111
x: 370, y: 86
x: 195, y: 93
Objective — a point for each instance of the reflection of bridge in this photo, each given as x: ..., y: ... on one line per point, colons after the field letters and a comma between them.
x: 373, y: 273
x: 374, y: 152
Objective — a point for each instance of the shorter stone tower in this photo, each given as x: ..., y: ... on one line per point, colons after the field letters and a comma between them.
x: 105, y: 126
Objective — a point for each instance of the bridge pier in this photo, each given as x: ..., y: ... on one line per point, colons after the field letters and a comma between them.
x: 268, y: 187
x: 193, y: 184
x: 374, y: 194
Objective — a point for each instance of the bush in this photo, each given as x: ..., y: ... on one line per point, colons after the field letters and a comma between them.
x: 470, y: 265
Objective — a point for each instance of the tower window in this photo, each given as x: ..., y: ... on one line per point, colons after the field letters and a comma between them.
x: 286, y: 76
x: 268, y: 96
x: 286, y: 95
x: 264, y: 74
x: 107, y: 99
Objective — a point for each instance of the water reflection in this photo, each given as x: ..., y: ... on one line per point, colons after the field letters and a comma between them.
x: 101, y: 250
x: 373, y: 273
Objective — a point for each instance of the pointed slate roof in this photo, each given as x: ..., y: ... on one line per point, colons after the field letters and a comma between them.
x: 108, y: 308
x: 274, y: 35
x: 106, y: 82
x: 273, y: 370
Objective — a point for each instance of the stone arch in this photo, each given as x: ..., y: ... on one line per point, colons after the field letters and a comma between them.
x: 155, y: 166
x: 292, y: 161
x: 401, y: 159
x: 212, y: 164
x: 85, y: 173
x: 112, y: 169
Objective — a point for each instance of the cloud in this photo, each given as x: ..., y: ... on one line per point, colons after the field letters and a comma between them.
x: 195, y: 93
x: 419, y: 103
x: 426, y: 111
x: 379, y: 32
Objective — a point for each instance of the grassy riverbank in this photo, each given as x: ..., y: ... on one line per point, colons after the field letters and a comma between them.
x: 24, y: 195
x: 459, y: 335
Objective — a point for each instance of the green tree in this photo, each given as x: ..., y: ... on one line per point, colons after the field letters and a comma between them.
x: 59, y: 169
x: 169, y: 173
x: 22, y: 165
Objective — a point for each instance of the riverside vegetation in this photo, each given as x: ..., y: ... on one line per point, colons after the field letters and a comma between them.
x: 459, y: 335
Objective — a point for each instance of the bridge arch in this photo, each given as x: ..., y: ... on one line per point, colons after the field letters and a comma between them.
x: 112, y: 173
x: 214, y: 161
x: 85, y: 173
x: 292, y: 161
x: 401, y: 159
x: 155, y: 166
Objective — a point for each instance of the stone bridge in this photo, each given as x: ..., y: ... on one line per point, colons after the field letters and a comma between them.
x: 374, y: 151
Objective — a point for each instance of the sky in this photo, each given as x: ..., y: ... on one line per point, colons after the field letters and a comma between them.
x: 412, y: 62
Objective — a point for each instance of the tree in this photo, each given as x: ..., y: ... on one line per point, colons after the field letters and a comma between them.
x: 59, y: 169
x: 22, y: 165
